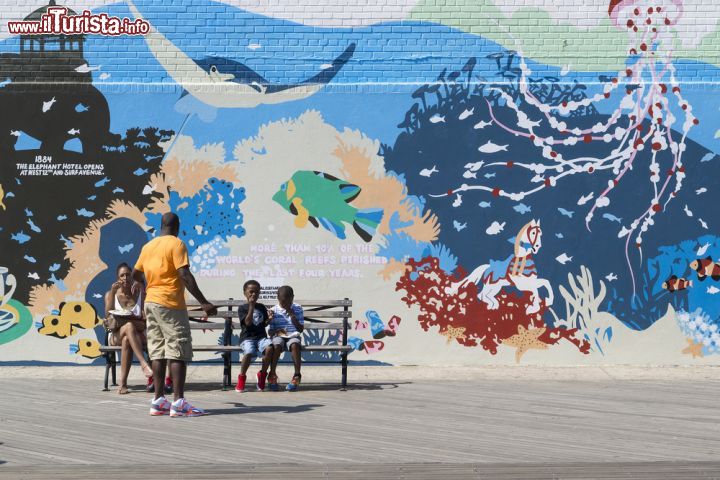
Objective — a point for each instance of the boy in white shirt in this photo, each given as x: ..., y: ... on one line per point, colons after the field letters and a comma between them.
x: 285, y: 330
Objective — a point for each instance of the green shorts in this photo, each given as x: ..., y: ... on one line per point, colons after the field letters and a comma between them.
x: 168, y: 333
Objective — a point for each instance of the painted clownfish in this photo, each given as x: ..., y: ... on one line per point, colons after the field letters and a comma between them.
x: 705, y: 267
x: 673, y: 284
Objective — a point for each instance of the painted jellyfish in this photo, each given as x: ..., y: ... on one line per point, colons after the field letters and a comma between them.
x: 642, y: 120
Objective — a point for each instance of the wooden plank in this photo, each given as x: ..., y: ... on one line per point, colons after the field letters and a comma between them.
x: 323, y: 326
x: 308, y: 314
x: 305, y: 303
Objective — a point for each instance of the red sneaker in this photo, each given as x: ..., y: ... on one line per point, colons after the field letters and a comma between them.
x: 261, y: 376
x: 240, y: 387
x: 150, y: 387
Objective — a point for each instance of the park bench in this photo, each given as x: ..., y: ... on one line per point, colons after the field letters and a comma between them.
x: 320, y: 315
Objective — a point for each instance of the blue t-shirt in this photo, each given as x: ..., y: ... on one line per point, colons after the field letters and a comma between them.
x: 280, y: 319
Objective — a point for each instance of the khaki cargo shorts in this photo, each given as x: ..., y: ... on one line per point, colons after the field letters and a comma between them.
x: 168, y: 333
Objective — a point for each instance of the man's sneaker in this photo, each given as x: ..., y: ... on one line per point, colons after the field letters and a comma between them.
x: 168, y: 385
x: 150, y: 385
x: 159, y: 406
x: 240, y: 387
x: 294, y: 383
x: 273, y: 383
x: 183, y: 408
x: 261, y: 376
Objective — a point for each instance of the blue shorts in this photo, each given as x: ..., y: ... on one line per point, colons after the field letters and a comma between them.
x: 255, y: 346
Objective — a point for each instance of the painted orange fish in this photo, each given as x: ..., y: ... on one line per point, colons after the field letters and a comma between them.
x: 706, y: 267
x: 674, y: 283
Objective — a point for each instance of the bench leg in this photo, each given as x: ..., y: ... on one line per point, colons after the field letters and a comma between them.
x: 227, y: 370
x: 107, y: 372
x: 344, y: 371
x: 114, y: 372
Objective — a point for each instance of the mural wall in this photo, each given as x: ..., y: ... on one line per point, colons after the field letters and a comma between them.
x: 489, y: 184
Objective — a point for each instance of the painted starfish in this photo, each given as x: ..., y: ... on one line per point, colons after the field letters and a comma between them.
x: 694, y: 349
x: 525, y: 340
x: 453, y: 333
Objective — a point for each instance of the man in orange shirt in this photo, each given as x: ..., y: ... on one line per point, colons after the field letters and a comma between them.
x: 164, y: 261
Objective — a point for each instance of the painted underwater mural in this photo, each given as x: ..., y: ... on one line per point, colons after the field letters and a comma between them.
x: 481, y: 200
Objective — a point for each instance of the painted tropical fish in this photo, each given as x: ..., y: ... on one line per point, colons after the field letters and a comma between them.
x: 674, y: 283
x: 55, y: 326
x: 86, y: 347
x: 79, y: 314
x: 706, y: 267
x: 324, y: 200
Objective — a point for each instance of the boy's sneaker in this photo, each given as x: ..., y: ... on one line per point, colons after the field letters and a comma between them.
x: 168, y: 385
x: 273, y: 383
x: 160, y: 406
x: 150, y: 385
x: 294, y: 383
x: 261, y: 376
x: 183, y: 408
x: 240, y: 387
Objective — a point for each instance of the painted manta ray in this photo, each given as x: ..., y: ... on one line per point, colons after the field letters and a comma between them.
x: 225, y: 83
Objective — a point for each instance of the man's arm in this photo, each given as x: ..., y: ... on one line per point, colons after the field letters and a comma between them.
x: 189, y: 280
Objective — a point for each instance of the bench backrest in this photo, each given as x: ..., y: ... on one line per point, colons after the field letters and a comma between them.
x: 319, y: 314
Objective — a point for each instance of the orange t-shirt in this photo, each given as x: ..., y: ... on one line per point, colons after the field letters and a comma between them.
x: 160, y: 260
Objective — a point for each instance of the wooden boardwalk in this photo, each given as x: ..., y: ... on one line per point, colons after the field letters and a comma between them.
x: 469, y: 428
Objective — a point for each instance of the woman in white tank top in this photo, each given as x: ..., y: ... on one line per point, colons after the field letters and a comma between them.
x: 131, y: 335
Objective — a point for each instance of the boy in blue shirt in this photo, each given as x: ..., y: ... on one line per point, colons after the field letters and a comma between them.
x: 253, y: 318
x: 286, y: 327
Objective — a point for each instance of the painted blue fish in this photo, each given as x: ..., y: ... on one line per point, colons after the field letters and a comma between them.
x: 567, y: 213
x: 484, y: 204
x: 118, y: 190
x: 60, y: 218
x: 85, y: 213
x: 33, y: 227
x: 559, y: 235
x: 126, y: 248
x: 92, y: 197
x: 489, y: 175
x: 58, y: 282
x: 102, y: 183
x: 612, y: 218
x: 54, y: 267
x: 459, y: 226
x: 708, y: 156
x: 68, y: 244
x: 81, y: 108
x: 28, y: 213
x: 140, y: 171
x: 522, y: 208
x: 30, y: 259
x: 20, y: 237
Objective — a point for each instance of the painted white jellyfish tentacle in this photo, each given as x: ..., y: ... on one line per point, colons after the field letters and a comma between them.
x: 643, y: 119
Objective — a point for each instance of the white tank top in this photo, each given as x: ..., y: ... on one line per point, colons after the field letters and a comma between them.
x: 135, y: 310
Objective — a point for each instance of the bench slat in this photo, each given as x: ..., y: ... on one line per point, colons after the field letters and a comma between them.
x: 308, y: 314
x: 206, y: 326
x: 304, y: 303
x: 237, y: 348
